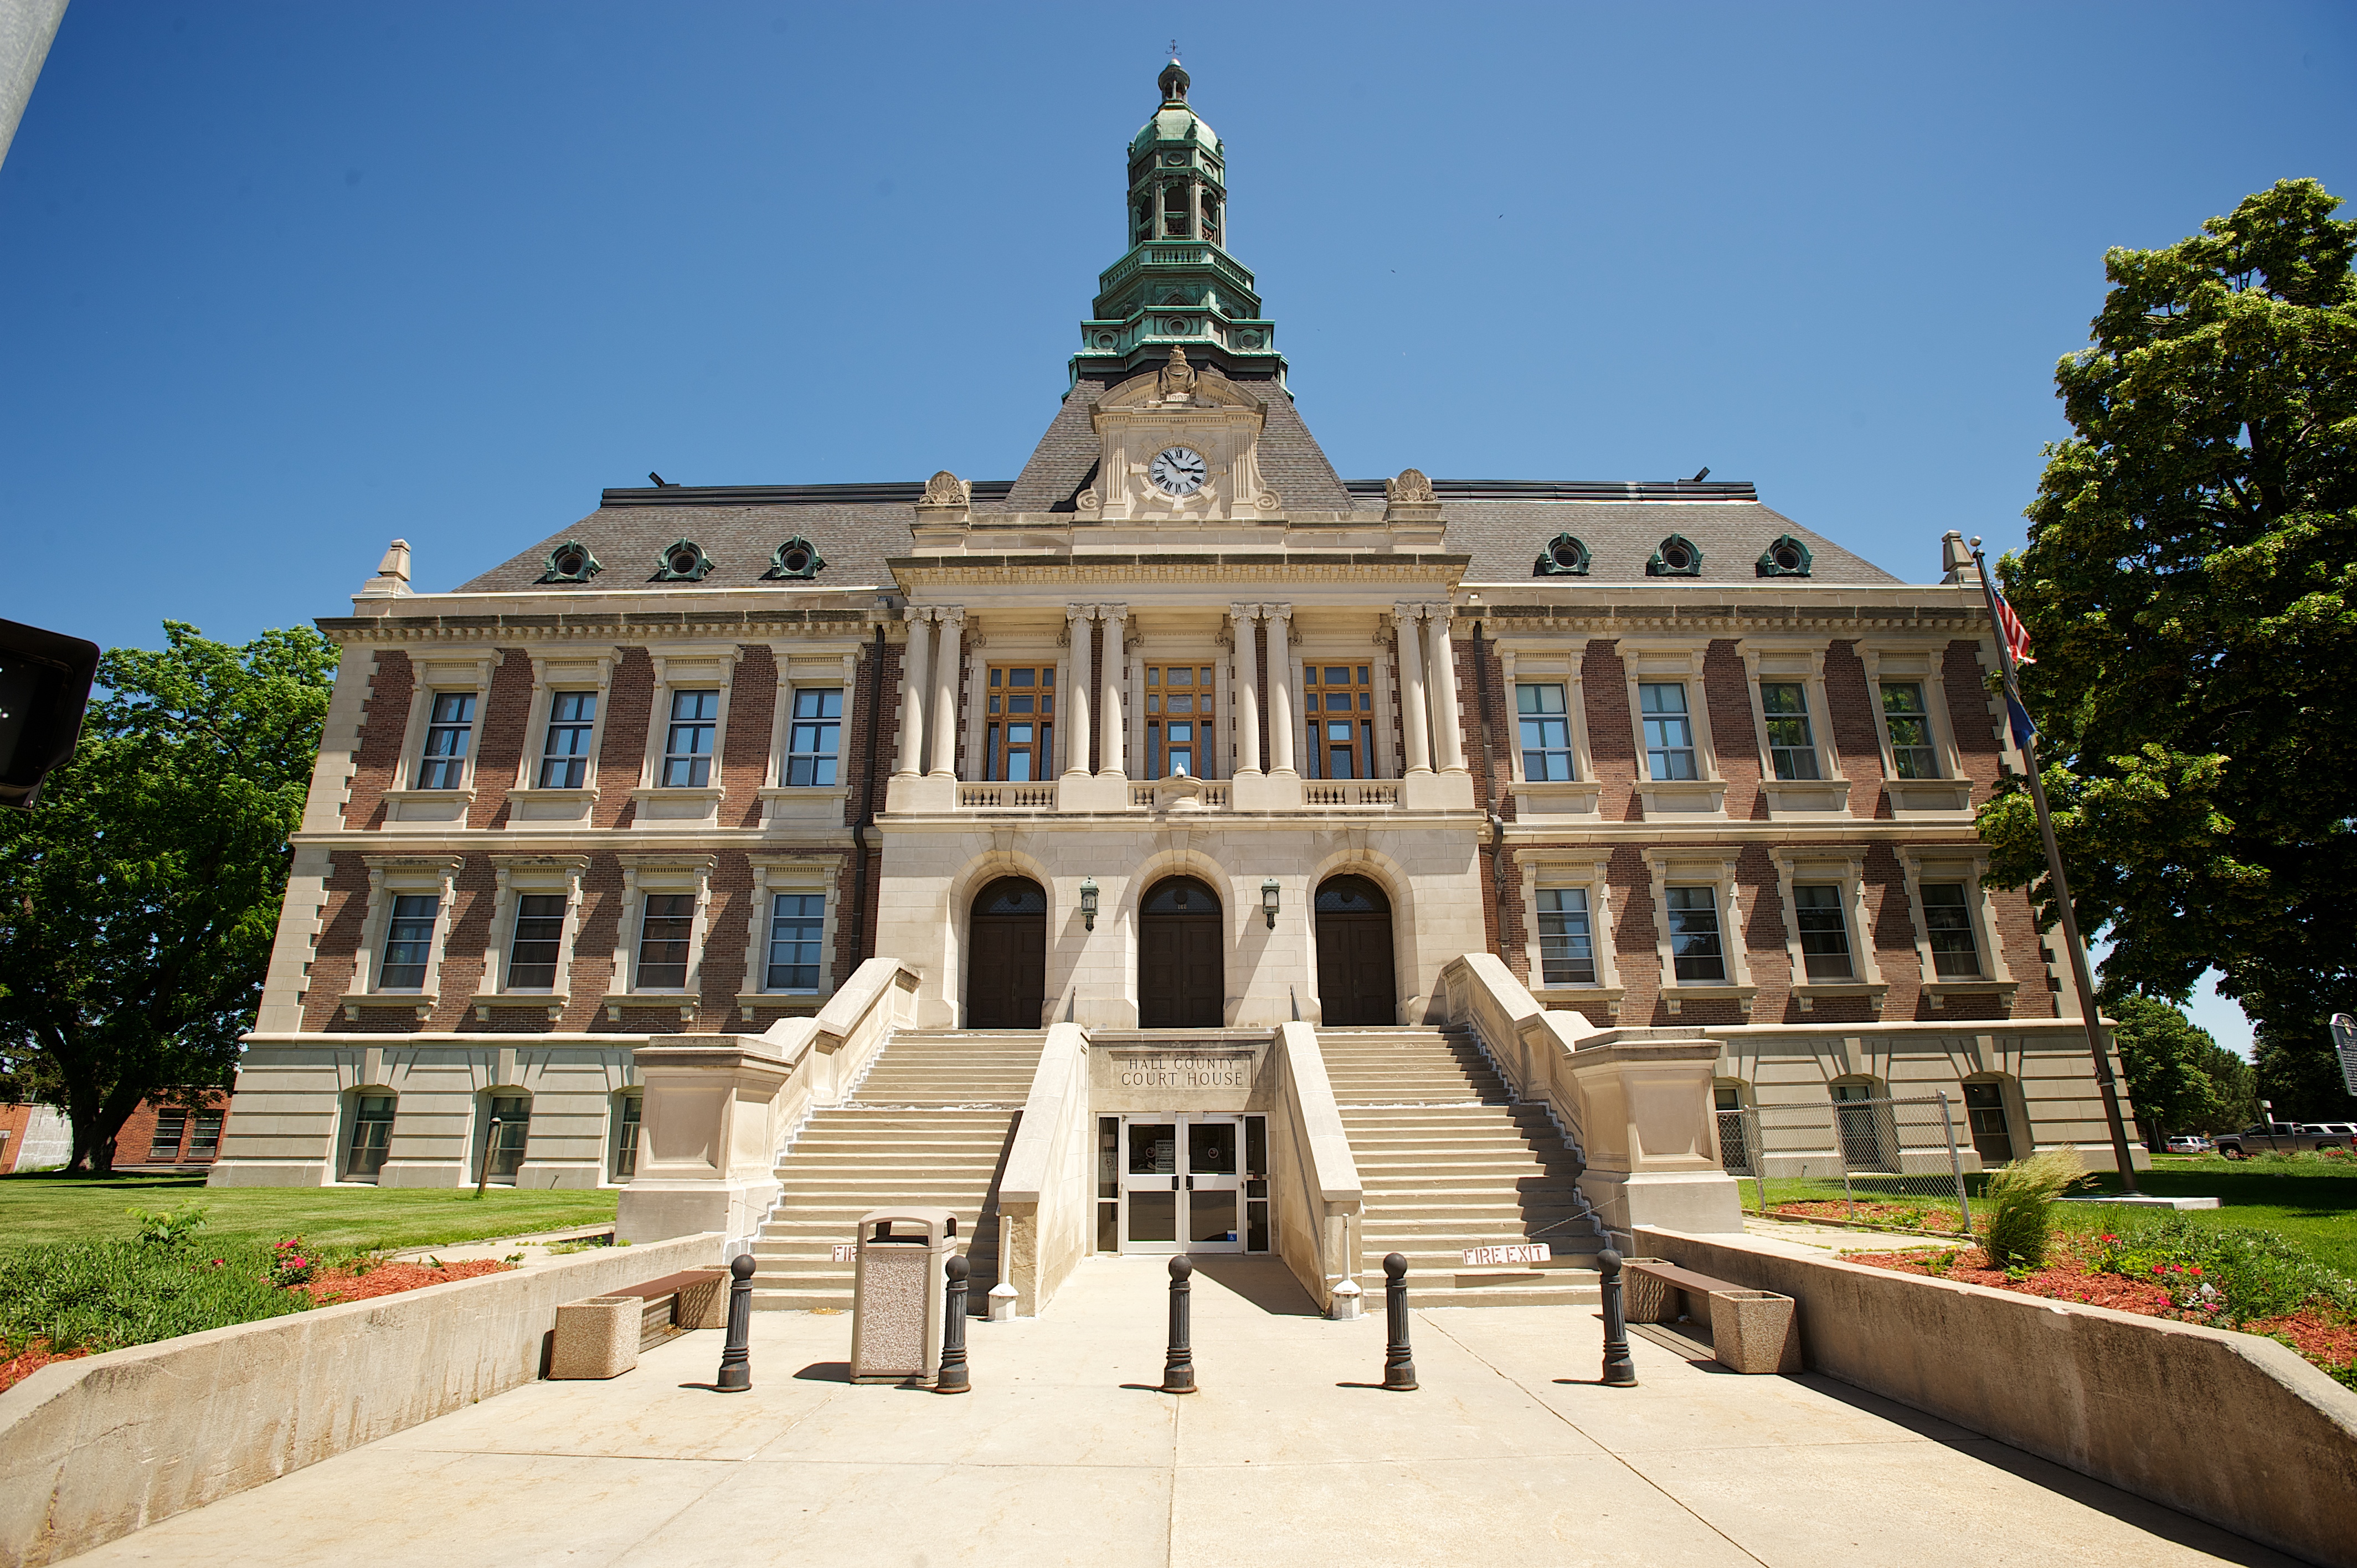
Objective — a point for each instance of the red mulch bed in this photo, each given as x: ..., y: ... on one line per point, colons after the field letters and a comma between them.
x: 2067, y: 1277
x: 1895, y: 1214
x: 342, y: 1284
x: 24, y: 1363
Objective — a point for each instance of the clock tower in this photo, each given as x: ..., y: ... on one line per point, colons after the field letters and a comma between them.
x: 1177, y: 285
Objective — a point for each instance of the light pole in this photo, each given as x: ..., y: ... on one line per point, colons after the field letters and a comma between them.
x: 2088, y: 1013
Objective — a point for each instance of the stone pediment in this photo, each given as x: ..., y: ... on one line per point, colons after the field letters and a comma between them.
x: 1179, y: 384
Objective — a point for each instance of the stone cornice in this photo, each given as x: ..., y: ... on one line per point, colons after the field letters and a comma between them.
x: 1291, y: 567
x: 609, y: 626
x: 1855, y: 613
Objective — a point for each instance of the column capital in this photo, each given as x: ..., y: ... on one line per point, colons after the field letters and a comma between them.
x: 1278, y: 612
x: 1244, y: 615
x: 1114, y: 612
x: 950, y: 615
x: 917, y: 614
x: 1079, y: 612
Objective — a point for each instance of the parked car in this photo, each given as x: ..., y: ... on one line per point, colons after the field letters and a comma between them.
x: 2186, y: 1143
x: 2280, y: 1138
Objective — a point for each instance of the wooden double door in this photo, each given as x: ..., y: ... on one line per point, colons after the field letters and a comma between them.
x: 1355, y: 976
x: 1007, y: 956
x: 1181, y: 957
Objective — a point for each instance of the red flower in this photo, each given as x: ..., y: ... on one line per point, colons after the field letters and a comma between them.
x: 2196, y: 1269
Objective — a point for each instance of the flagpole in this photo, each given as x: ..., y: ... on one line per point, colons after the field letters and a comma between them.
x: 2088, y: 1013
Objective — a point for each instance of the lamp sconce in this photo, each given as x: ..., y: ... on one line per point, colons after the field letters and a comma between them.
x: 1088, y: 903
x: 1268, y: 891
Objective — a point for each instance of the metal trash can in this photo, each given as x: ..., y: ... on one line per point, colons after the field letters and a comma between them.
x: 896, y: 1293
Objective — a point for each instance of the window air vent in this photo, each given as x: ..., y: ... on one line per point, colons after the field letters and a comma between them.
x: 1565, y: 556
x: 1787, y: 557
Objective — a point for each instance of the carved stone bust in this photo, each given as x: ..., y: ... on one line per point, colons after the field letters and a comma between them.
x: 1178, y: 378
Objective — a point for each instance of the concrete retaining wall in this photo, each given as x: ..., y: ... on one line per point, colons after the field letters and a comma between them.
x: 2228, y: 1427
x: 96, y: 1448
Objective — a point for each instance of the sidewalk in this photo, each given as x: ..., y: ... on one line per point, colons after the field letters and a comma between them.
x: 1510, y: 1454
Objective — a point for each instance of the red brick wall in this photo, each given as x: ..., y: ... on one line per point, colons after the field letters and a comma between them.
x: 501, y: 735
x: 384, y: 723
x: 1734, y: 736
x: 1855, y: 740
x: 1611, y: 737
x: 15, y: 1120
x: 622, y: 746
x: 745, y: 750
x: 132, y: 1143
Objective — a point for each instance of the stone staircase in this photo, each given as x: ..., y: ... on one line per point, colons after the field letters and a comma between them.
x: 929, y: 1125
x: 1448, y: 1161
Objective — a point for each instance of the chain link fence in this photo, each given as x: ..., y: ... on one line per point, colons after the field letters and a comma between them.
x: 1884, y: 1161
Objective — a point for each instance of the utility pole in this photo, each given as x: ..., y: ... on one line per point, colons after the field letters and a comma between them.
x: 2088, y: 1013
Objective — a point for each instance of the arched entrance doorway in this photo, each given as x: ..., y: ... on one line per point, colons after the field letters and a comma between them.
x: 1181, y: 949
x: 1354, y: 953
x: 1007, y: 956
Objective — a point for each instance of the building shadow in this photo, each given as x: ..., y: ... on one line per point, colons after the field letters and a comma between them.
x: 1265, y: 1283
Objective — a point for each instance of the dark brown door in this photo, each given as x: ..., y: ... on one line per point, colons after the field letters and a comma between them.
x: 1007, y: 956
x: 1354, y: 953
x: 1181, y: 957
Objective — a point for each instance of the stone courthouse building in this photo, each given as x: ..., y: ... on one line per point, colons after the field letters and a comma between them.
x: 1177, y: 736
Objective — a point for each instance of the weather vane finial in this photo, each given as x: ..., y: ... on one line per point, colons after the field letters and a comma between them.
x: 1174, y: 51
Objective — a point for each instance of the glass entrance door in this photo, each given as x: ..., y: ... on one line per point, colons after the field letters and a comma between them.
x: 1181, y: 1183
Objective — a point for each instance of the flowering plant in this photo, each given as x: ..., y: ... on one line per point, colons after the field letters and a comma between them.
x: 291, y: 1262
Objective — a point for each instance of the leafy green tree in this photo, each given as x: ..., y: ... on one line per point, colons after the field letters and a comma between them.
x: 2190, y: 584
x: 2168, y: 1061
x: 138, y: 901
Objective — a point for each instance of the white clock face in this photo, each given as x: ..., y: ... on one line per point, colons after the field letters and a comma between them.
x: 1178, y: 471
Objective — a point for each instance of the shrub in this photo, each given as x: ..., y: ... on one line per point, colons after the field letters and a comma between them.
x: 2020, y: 1198
x: 291, y: 1262
x: 168, y: 1227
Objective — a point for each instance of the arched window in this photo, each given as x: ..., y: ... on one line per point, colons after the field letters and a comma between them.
x: 506, y: 1132
x: 1989, y: 1119
x: 1862, y: 1118
x: 1175, y: 220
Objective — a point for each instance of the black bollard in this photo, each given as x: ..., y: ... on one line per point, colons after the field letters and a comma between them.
x: 1399, y: 1367
x: 1619, y: 1367
x: 1178, y: 1371
x: 736, y: 1354
x: 952, y: 1377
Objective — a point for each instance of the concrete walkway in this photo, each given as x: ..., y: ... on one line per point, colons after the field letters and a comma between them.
x: 1510, y: 1454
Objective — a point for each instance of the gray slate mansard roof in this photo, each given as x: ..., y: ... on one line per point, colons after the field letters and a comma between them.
x: 1503, y: 525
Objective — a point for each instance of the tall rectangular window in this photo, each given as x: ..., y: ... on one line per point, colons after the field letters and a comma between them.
x: 1019, y: 723
x: 505, y: 1156
x: 814, y: 737
x: 204, y: 1140
x: 1338, y: 701
x: 1910, y: 723
x: 565, y: 755
x: 1546, y: 732
x: 1178, y: 720
x: 1693, y: 935
x: 539, y: 932
x: 163, y: 1143
x: 797, y: 921
x: 1984, y: 1115
x: 1825, y: 934
x: 1669, y: 730
x: 625, y: 1137
x: 663, y: 934
x: 408, y: 941
x: 1566, y: 946
x: 450, y: 723
x: 687, y: 746
x: 1948, y: 922
x: 1791, y: 741
x: 372, y: 1135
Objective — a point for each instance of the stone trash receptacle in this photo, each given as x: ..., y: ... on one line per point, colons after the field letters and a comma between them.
x: 596, y: 1338
x: 1645, y: 1299
x: 1755, y: 1331
x: 897, y: 1294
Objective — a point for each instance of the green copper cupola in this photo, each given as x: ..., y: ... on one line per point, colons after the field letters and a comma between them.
x: 1177, y: 285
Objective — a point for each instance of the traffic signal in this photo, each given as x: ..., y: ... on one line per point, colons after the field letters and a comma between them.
x: 44, y: 686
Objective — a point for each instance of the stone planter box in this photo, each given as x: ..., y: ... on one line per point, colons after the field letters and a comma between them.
x: 1753, y: 1331
x: 596, y: 1338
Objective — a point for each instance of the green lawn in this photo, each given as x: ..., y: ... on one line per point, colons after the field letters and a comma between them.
x: 2313, y: 1204
x: 35, y: 1209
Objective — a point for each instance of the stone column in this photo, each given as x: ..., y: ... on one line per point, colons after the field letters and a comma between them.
x: 1449, y: 731
x: 1216, y: 758
x: 1136, y: 664
x: 1075, y: 716
x: 1414, y: 735
x: 949, y: 660
x: 1280, y: 688
x: 915, y: 670
x: 1108, y: 726
x: 1247, y: 687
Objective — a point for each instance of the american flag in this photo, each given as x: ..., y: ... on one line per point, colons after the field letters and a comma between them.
x: 2017, y: 636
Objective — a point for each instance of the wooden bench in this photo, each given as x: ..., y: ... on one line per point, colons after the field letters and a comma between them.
x: 693, y: 1298
x: 1751, y: 1330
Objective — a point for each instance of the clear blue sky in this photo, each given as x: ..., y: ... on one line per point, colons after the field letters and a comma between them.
x: 285, y: 281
